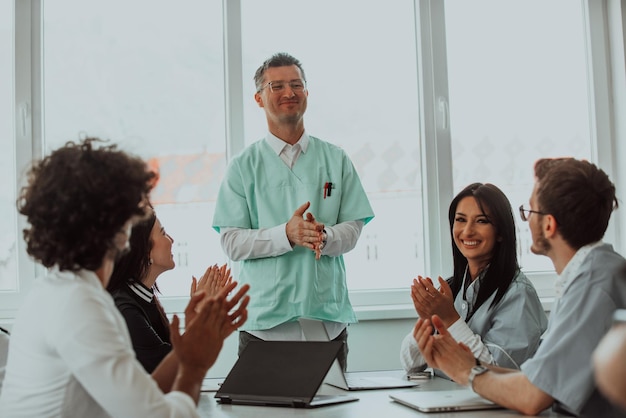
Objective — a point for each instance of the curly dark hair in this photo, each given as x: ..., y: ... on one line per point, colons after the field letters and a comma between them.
x: 77, y: 199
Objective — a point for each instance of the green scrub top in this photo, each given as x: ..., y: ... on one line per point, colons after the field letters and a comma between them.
x: 260, y: 191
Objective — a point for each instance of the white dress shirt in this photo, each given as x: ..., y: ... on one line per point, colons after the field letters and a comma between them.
x: 71, y: 356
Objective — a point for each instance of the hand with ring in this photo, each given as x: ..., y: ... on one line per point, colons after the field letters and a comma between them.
x: 429, y: 301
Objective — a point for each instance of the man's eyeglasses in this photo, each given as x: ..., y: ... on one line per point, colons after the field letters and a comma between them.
x: 525, y: 213
x: 297, y: 86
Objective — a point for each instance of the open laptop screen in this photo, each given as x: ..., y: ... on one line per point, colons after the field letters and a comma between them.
x: 279, y: 372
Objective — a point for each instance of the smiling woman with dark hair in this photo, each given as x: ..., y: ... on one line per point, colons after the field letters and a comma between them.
x: 70, y: 353
x: 134, y: 289
x: 488, y: 303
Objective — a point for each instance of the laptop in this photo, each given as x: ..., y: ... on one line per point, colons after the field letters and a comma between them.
x: 314, y: 330
x: 443, y: 400
x: 281, y: 373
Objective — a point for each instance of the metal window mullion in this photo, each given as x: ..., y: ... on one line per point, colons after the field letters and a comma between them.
x: 233, y: 79
x: 27, y: 123
x: 601, y: 117
x: 435, y: 135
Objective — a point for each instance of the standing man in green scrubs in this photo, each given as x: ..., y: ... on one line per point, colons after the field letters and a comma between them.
x: 288, y: 209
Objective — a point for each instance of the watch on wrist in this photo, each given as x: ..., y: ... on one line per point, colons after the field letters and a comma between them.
x: 324, y: 239
x: 476, y: 371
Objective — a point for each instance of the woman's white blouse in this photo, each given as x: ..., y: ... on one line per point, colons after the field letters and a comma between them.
x: 71, y: 356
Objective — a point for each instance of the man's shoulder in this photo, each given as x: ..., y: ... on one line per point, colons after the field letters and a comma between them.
x: 252, y: 150
x: 604, y: 257
x: 602, y: 268
x: 329, y: 149
x: 253, y: 147
x: 323, y: 143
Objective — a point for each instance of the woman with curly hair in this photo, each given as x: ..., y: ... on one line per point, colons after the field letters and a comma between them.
x: 70, y: 352
x: 134, y: 288
x: 488, y: 304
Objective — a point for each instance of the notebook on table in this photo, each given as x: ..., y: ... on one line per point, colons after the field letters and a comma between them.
x: 314, y: 330
x: 281, y: 373
x: 443, y: 400
x: 210, y: 384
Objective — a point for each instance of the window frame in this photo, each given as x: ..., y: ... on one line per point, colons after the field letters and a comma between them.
x: 27, y: 127
x: 434, y: 125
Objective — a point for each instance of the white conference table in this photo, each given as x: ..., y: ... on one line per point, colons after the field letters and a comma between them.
x: 371, y: 403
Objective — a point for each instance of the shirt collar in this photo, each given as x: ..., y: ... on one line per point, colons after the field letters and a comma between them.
x: 571, y: 269
x: 142, y: 291
x: 473, y: 287
x: 278, y: 144
x: 87, y: 276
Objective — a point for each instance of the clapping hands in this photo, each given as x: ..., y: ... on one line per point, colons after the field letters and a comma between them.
x: 209, y: 321
x: 212, y: 281
x: 429, y: 300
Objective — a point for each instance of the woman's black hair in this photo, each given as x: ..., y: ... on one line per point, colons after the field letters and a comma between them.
x: 135, y: 263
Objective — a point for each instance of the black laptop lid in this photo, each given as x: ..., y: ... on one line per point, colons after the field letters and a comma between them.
x: 279, y: 372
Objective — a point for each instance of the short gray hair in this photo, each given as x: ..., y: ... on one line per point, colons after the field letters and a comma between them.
x: 280, y: 59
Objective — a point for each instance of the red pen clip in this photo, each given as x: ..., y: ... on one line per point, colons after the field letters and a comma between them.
x: 325, y: 189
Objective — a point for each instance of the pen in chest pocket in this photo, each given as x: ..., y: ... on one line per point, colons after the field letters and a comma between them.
x: 328, y: 187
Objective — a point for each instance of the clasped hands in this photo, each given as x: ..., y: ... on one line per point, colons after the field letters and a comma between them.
x: 305, y: 231
x: 441, y: 351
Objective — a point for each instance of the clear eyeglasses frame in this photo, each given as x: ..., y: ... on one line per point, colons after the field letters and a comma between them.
x: 297, y: 86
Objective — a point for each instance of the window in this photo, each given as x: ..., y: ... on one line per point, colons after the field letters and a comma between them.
x: 513, y: 98
x: 363, y: 97
x: 517, y: 96
x: 8, y: 215
x: 424, y: 96
x: 150, y: 79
